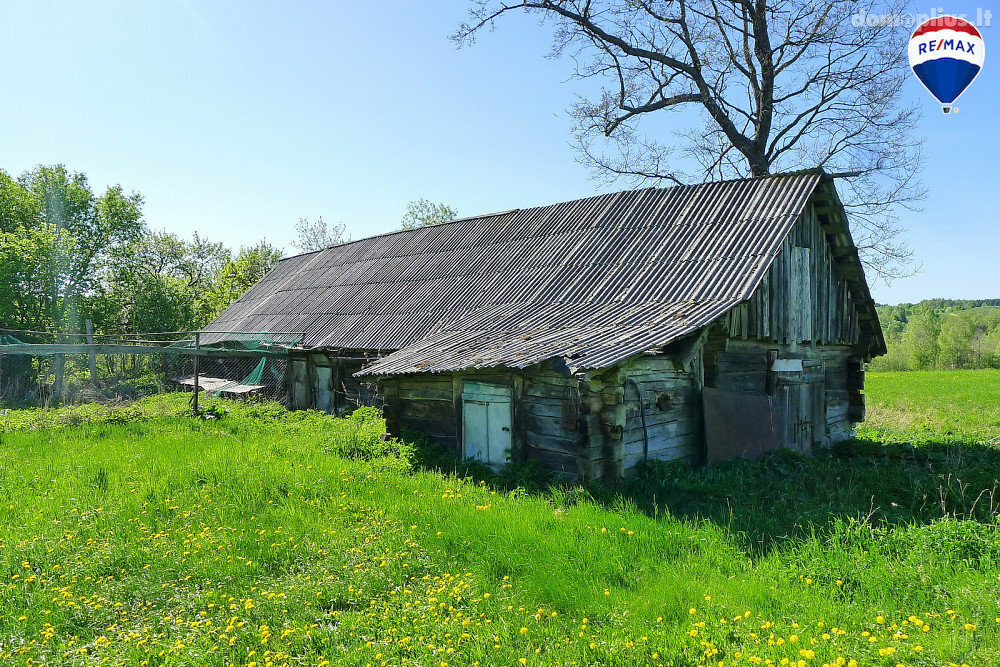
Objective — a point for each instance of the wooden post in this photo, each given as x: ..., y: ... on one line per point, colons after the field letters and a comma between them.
x: 60, y: 364
x: 92, y: 357
x: 197, y: 346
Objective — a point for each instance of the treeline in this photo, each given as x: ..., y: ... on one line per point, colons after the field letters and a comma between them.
x: 940, y: 334
x: 68, y: 254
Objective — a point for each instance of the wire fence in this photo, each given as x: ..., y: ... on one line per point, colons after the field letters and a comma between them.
x: 45, y: 369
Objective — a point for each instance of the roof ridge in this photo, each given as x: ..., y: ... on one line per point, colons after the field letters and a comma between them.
x: 403, y: 231
x: 791, y: 174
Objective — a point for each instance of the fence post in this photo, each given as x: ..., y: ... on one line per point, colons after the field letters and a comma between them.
x: 92, y: 357
x: 60, y: 363
x: 197, y: 357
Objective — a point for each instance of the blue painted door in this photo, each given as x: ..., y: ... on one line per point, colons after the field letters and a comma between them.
x: 486, y: 419
x: 475, y: 433
x: 498, y: 417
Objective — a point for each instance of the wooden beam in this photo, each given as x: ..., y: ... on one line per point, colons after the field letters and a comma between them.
x: 840, y: 253
x: 42, y: 349
x: 197, y: 389
x: 687, y: 354
x: 93, y: 357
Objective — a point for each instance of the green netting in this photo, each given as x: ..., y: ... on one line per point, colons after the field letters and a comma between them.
x: 256, y: 378
x: 258, y: 339
x: 255, y: 340
x: 7, y: 339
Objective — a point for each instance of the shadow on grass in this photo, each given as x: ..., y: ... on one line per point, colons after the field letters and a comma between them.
x: 782, y: 497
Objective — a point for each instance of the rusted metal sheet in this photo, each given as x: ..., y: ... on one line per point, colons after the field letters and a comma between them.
x: 594, y: 281
x: 741, y: 424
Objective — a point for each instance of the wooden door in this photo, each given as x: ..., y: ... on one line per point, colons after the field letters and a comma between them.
x: 475, y: 430
x: 324, y: 389
x: 803, y: 397
x: 498, y: 418
x: 486, y: 423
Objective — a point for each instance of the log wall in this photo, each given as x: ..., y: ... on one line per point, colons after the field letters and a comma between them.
x: 658, y: 387
x: 548, y: 423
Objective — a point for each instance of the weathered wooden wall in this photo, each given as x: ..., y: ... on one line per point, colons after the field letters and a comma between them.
x: 556, y: 426
x: 775, y: 313
x: 321, y: 381
x: 548, y: 424
x: 746, y: 366
x: 580, y: 427
x: 667, y: 391
x: 424, y: 403
x: 803, y: 309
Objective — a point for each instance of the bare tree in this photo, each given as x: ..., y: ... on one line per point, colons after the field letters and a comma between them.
x: 317, y: 235
x: 770, y: 86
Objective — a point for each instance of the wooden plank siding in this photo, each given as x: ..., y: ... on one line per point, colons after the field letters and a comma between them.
x: 771, y: 313
x: 801, y: 310
x: 670, y: 400
x: 324, y: 381
x: 432, y: 405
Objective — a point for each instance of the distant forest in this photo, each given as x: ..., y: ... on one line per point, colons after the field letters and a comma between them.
x: 940, y: 334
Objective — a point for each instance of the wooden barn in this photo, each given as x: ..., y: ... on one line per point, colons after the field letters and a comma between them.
x: 697, y: 322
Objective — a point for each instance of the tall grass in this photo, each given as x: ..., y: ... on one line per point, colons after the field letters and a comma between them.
x: 266, y: 537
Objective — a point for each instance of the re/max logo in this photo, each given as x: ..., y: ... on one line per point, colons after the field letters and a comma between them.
x: 947, y: 45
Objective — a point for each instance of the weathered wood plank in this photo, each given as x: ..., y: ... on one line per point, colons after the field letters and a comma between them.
x: 554, y: 461
x: 547, y: 426
x: 546, y: 390
x: 551, y: 443
x: 430, y: 409
x: 437, y: 391
x: 428, y: 425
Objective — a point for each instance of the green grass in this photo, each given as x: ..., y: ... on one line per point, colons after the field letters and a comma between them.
x: 264, y: 537
x: 934, y: 406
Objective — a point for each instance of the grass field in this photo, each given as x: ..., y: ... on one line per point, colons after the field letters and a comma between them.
x: 935, y: 406
x: 144, y: 537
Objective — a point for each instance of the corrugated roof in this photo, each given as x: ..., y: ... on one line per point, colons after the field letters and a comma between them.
x: 595, y: 280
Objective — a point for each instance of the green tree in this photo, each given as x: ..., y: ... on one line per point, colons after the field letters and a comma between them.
x: 27, y: 275
x: 422, y: 212
x: 893, y: 320
x: 19, y: 209
x: 59, y: 238
x: 920, y: 339
x: 955, y: 340
x: 237, y: 276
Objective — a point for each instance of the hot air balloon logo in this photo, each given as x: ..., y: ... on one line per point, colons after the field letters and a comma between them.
x: 946, y: 53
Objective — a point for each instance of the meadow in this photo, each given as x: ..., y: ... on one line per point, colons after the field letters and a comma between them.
x: 141, y: 536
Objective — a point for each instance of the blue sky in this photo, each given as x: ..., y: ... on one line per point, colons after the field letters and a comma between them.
x: 236, y: 119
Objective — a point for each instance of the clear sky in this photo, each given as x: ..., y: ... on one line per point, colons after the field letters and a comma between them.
x: 235, y: 119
